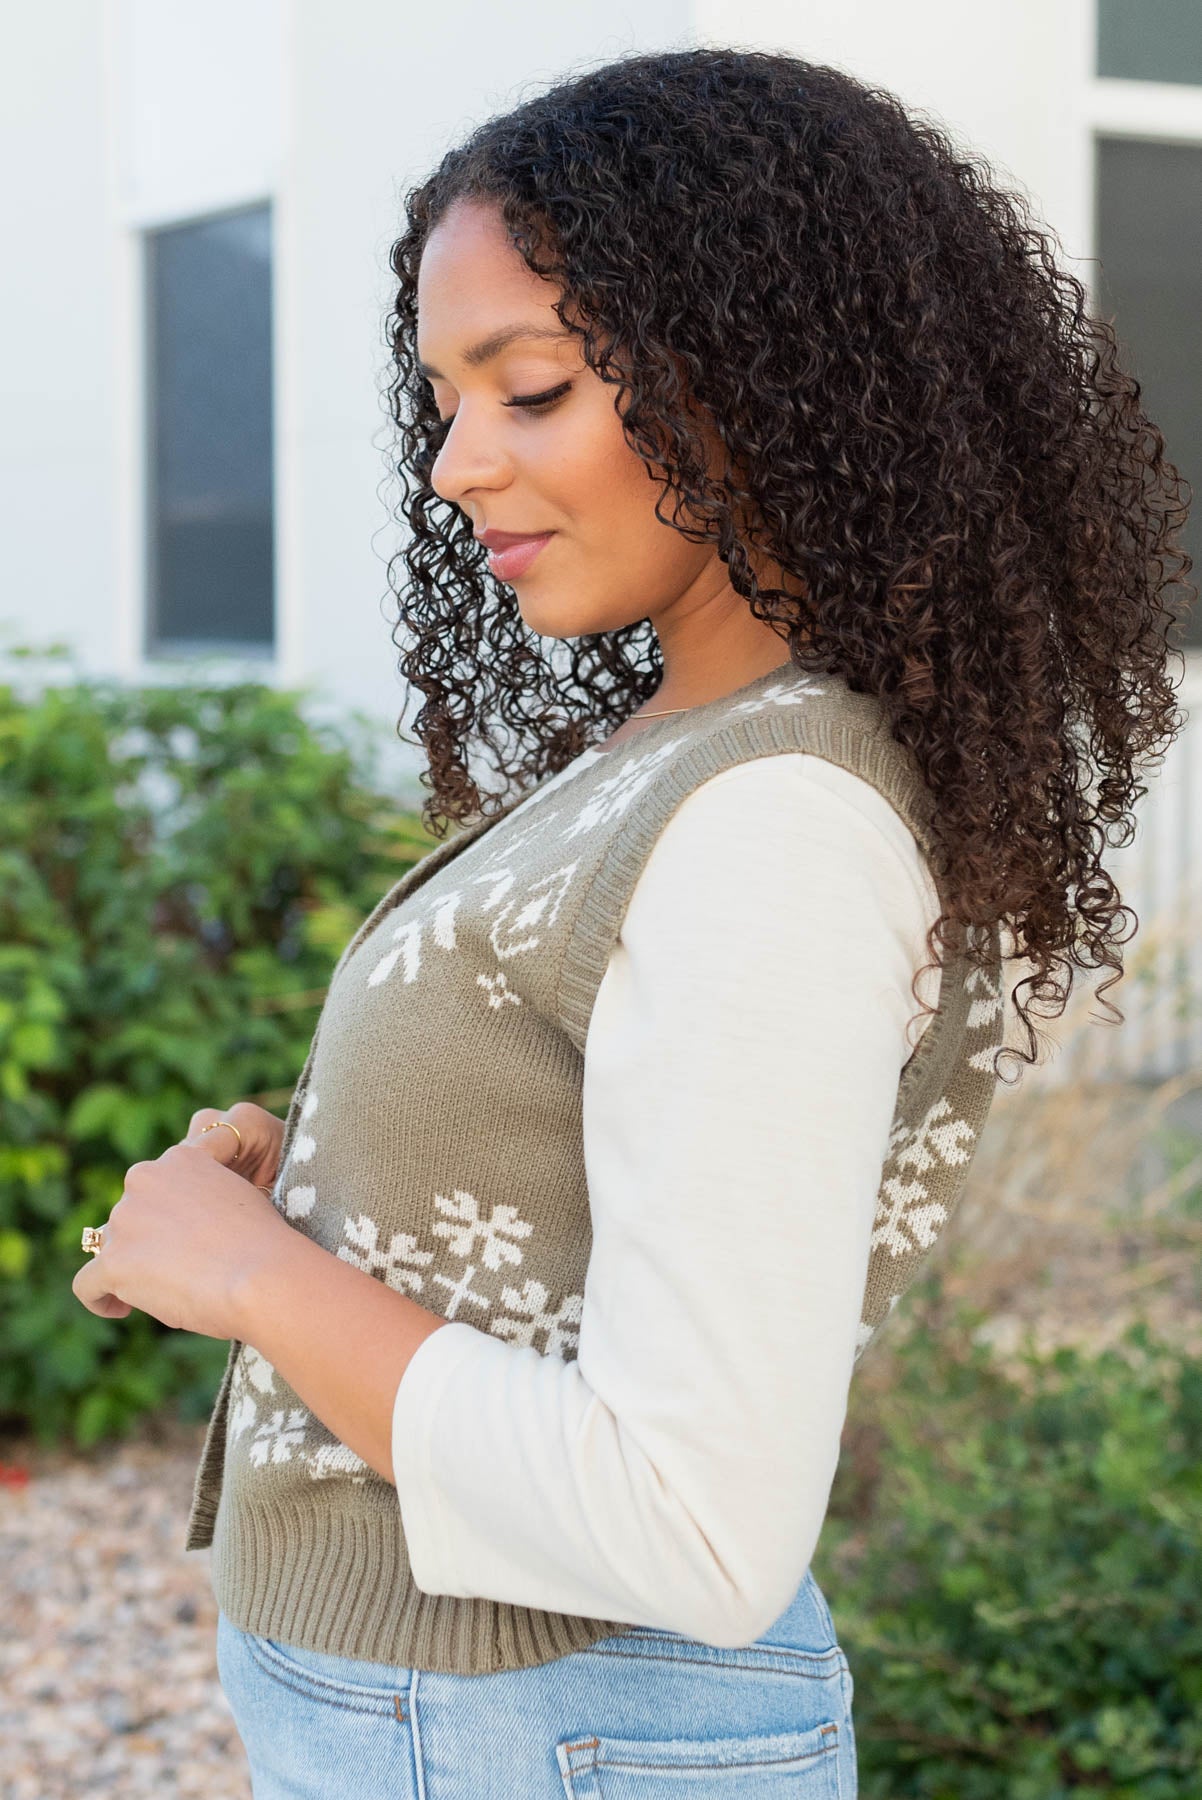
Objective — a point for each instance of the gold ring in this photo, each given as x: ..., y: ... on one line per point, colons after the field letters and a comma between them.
x: 229, y: 1127
x: 93, y: 1238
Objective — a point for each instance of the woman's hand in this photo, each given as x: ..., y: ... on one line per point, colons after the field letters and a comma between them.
x: 262, y: 1134
x: 188, y: 1231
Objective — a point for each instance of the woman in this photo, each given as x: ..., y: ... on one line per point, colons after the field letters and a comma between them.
x: 619, y: 1136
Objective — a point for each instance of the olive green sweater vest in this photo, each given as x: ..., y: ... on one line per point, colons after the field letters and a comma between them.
x: 434, y: 1139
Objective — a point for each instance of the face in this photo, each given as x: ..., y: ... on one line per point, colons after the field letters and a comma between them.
x: 536, y: 446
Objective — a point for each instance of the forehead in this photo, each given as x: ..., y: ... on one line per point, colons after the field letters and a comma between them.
x: 472, y: 280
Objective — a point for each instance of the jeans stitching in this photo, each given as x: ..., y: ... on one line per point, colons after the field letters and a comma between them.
x: 847, y: 1754
x: 625, y: 1760
x: 415, y: 1738
x: 312, y: 1686
x: 808, y: 1664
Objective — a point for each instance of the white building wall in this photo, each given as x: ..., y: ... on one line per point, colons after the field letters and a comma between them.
x: 59, y: 494
x: 119, y: 115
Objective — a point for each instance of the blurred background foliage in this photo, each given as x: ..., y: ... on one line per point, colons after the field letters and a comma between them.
x: 180, y: 868
x: 1012, y: 1552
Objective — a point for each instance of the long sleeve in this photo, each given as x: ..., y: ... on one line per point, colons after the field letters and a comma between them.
x: 740, y: 1076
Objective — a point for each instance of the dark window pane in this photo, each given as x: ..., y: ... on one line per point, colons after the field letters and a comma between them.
x: 1149, y: 285
x: 211, y: 573
x: 1150, y: 40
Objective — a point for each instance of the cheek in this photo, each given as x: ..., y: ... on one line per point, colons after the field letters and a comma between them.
x: 617, y: 562
x: 602, y: 484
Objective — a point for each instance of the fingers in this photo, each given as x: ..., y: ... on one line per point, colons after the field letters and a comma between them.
x: 251, y: 1148
x: 226, y: 1146
x: 89, y: 1290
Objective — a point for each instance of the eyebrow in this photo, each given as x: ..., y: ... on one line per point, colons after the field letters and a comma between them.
x: 494, y: 343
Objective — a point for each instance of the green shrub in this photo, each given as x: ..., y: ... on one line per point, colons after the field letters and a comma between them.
x: 180, y: 867
x: 1012, y: 1558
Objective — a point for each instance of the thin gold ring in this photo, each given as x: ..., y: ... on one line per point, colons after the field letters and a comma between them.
x: 229, y: 1127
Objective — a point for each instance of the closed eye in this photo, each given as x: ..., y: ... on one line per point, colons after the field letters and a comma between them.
x: 531, y: 402
x: 545, y: 399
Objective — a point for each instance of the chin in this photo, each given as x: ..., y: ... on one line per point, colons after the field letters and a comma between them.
x: 552, y: 617
x: 546, y: 618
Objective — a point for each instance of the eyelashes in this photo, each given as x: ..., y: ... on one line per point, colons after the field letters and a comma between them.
x: 527, y: 402
x: 548, y: 398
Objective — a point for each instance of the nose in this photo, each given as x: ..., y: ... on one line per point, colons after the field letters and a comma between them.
x: 468, y: 458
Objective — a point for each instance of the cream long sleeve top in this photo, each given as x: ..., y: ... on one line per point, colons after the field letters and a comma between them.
x: 676, y: 1474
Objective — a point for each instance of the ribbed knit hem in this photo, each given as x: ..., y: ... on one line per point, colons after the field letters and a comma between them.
x: 337, y: 1581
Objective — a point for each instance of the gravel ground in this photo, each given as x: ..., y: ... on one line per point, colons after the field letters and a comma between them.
x: 108, y: 1670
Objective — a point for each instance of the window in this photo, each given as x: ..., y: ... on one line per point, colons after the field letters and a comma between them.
x: 210, y: 574
x: 1149, y: 285
x: 1150, y: 40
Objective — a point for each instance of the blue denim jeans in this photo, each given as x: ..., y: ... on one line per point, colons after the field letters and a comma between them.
x: 641, y: 1715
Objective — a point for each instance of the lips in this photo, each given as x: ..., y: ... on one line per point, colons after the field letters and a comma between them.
x: 505, y: 540
x: 510, y: 553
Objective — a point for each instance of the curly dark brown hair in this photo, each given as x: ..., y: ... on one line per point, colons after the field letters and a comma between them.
x: 920, y: 419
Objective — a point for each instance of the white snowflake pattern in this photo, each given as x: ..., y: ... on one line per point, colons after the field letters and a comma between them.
x: 437, y: 920
x: 499, y: 990
x: 495, y: 857
x: 257, y: 1370
x: 336, y: 1459
x: 300, y: 1200
x: 528, y: 1314
x: 540, y: 904
x: 251, y: 1371
x: 583, y: 761
x: 303, y: 1145
x: 398, y: 1263
x: 987, y: 1000
x: 614, y: 794
x: 470, y: 1234
x: 282, y: 1436
x: 512, y: 932
x: 243, y: 1413
x: 459, y: 1290
x: 276, y: 1440
x: 907, y: 1216
x: 464, y: 1228
x: 780, y: 693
